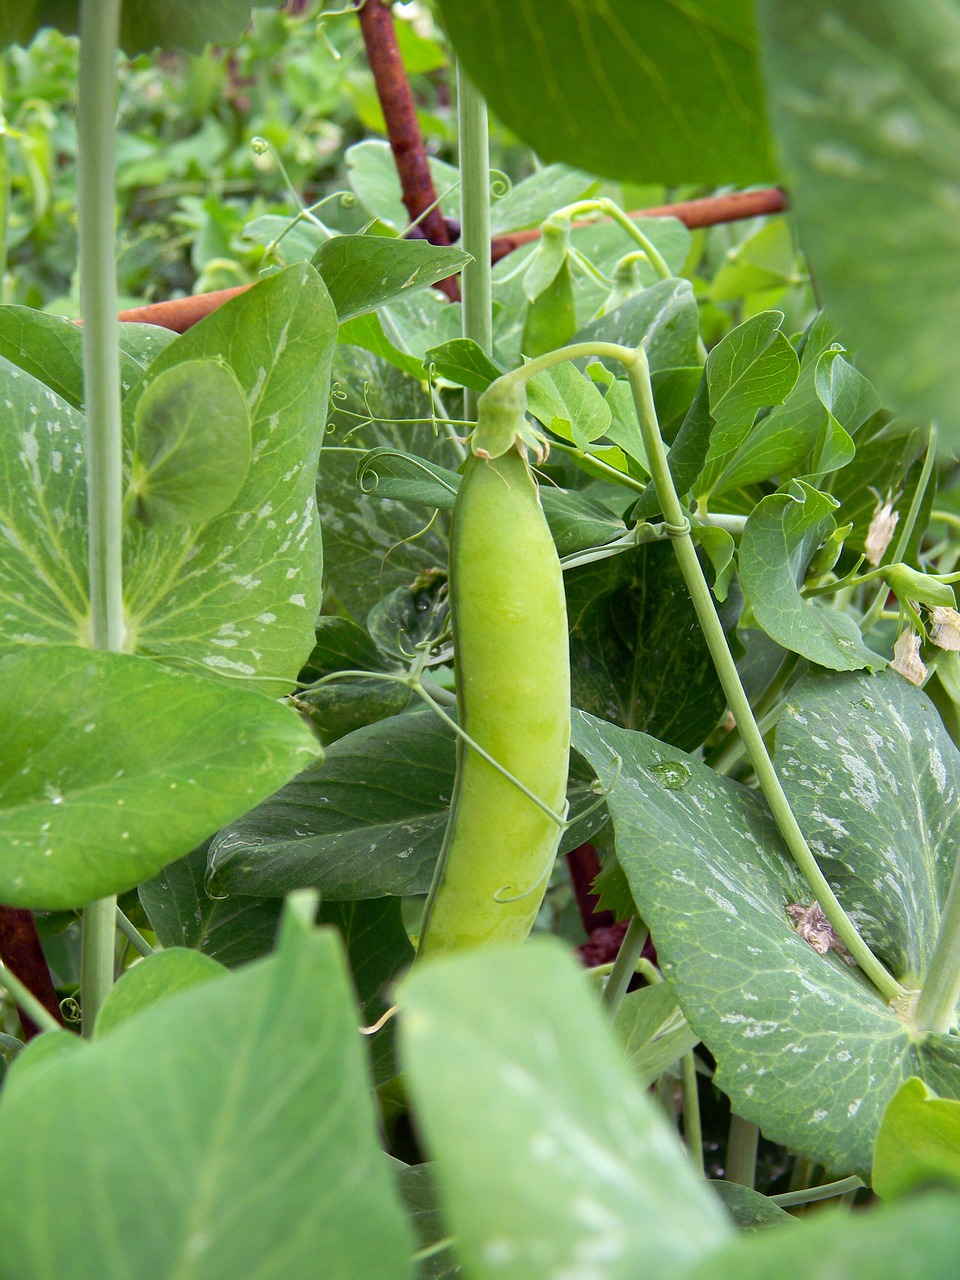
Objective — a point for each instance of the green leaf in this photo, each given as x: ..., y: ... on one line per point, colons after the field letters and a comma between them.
x: 49, y: 348
x: 89, y: 808
x: 376, y: 944
x: 781, y: 535
x: 231, y: 930
x: 748, y: 1208
x: 751, y: 368
x: 767, y: 259
x: 240, y: 594
x: 463, y: 361
x: 889, y: 760
x: 665, y: 318
x: 164, y: 974
x: 804, y: 1045
x: 240, y: 1133
x: 595, y: 1184
x: 372, y: 173
x: 367, y: 331
x: 917, y: 1239
x: 569, y: 404
x: 363, y: 272
x: 552, y: 318
x: 291, y: 239
x: 637, y: 655
x: 419, y: 1194
x: 918, y: 1142
x: 191, y: 445
x: 866, y: 109
x: 341, y: 706
x: 528, y: 203
x: 614, y: 89
x: 652, y: 1032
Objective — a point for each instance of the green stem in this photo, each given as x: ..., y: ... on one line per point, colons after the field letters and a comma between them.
x: 475, y: 278
x: 638, y: 372
x: 613, y: 211
x: 937, y: 1003
x: 96, y: 117
x: 133, y: 934
x: 690, y: 1101
x: 625, y: 965
x: 906, y: 533
x: 825, y: 1191
x: 4, y: 198
x: 96, y: 959
x: 742, y: 1142
x: 24, y: 999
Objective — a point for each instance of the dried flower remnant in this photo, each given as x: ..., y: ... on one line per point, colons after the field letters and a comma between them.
x: 906, y: 658
x: 882, y: 524
x: 944, y: 627
x: 815, y: 929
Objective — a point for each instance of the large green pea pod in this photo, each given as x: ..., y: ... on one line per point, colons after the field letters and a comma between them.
x: 513, y: 696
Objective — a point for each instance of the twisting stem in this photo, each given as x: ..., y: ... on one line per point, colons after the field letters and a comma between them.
x: 99, y: 35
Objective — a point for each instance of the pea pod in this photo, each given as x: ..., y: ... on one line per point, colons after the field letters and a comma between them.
x: 513, y: 695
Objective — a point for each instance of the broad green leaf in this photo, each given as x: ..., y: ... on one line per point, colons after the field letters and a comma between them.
x: 751, y: 368
x: 340, y: 706
x: 368, y: 822
x: 595, y: 1183
x: 191, y: 448
x: 551, y: 318
x: 551, y: 252
x: 463, y: 361
x: 418, y: 1191
x: 748, y: 1208
x: 291, y: 239
x: 240, y: 594
x: 867, y: 110
x: 652, y: 1032
x: 861, y: 759
x: 767, y: 259
x: 614, y: 90
x: 88, y: 808
x: 781, y: 535
x: 372, y: 173
x: 569, y: 404
x: 804, y: 1045
x: 917, y: 1239
x: 363, y: 272
x: 157, y: 977
x: 231, y: 930
x: 637, y: 655
x: 918, y: 1142
x: 376, y: 944
x: 49, y: 348
x: 664, y: 318
x: 240, y: 1135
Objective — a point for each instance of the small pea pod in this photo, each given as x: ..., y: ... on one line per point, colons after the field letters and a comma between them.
x: 513, y: 695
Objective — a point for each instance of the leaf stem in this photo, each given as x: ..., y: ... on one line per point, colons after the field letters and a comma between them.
x: 25, y: 1000
x: 742, y: 1139
x: 625, y: 965
x: 826, y: 1191
x: 937, y: 1003
x: 133, y: 934
x: 475, y: 279
x: 96, y: 115
x: 690, y: 1103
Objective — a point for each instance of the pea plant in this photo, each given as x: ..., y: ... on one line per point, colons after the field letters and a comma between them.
x: 643, y: 551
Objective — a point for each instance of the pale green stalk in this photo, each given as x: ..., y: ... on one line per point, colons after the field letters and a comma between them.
x: 475, y: 279
x: 690, y: 1102
x: 96, y: 116
x: 625, y: 965
x: 826, y: 1191
x: 26, y: 1001
x: 742, y: 1140
x: 937, y: 1004
x: 133, y: 934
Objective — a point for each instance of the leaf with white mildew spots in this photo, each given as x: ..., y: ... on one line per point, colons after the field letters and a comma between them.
x: 236, y: 595
x: 804, y: 1045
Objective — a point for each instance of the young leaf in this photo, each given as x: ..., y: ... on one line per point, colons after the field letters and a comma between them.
x: 89, y: 808
x: 560, y: 1165
x: 240, y: 1134
x: 191, y: 445
x: 155, y: 978
x: 781, y: 535
x: 614, y: 90
x: 866, y: 109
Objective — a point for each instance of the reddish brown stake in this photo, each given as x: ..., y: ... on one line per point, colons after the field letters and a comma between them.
x: 179, y: 314
x: 406, y: 140
x: 22, y: 953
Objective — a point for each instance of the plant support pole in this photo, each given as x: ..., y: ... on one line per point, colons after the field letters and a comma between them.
x: 476, y: 277
x: 96, y: 120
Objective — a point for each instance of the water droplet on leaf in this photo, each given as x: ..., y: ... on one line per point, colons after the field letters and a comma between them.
x: 672, y: 774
